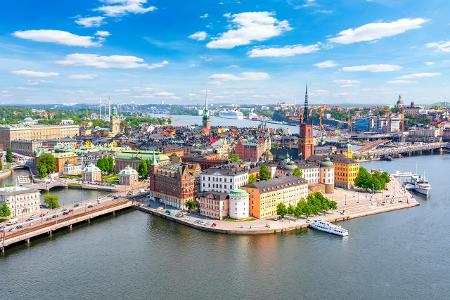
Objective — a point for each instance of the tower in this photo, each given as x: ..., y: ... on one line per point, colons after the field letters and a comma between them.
x: 152, y: 172
x: 115, y: 123
x: 306, y: 140
x: 206, y: 121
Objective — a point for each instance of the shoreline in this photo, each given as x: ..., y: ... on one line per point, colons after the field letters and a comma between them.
x: 351, y: 205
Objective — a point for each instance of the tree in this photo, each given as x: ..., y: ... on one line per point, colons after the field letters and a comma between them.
x: 106, y: 164
x: 375, y: 181
x: 5, y: 211
x: 9, y: 156
x: 234, y: 158
x: 297, y: 172
x: 46, y: 164
x: 192, y: 205
x: 290, y: 209
x: 1, y: 163
x: 252, y: 178
x: 143, y: 169
x: 264, y: 173
x: 281, y: 209
x: 52, y: 201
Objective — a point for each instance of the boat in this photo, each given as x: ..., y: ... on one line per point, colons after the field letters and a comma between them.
x: 231, y: 114
x: 328, y: 227
x: 420, y: 185
x: 254, y: 117
x: 402, y: 174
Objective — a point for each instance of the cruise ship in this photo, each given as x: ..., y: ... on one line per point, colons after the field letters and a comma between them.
x: 231, y: 114
x: 328, y: 227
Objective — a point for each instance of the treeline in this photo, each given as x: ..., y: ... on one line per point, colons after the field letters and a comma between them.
x: 313, y: 204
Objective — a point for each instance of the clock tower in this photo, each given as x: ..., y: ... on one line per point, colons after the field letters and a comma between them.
x: 306, y: 140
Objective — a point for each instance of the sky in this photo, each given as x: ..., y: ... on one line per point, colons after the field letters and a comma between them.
x: 259, y: 52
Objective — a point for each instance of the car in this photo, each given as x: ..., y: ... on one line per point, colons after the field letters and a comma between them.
x: 90, y: 206
x: 65, y: 213
x: 213, y: 225
x: 54, y: 216
x: 19, y: 226
x: 76, y: 205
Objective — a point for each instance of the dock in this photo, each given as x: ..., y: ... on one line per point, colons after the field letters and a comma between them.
x: 26, y: 234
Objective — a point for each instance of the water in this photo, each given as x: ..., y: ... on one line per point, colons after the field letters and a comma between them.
x: 402, y: 254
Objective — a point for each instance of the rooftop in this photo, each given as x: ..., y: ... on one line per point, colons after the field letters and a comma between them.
x: 278, y: 183
x: 15, y: 190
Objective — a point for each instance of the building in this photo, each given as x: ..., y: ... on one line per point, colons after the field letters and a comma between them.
x: 306, y: 139
x: 65, y: 158
x: 345, y: 171
x: 205, y: 161
x: 206, y: 120
x: 128, y: 176
x: 70, y: 169
x: 35, y: 133
x: 133, y: 158
x: 91, y: 173
x: 252, y: 150
x: 223, y: 179
x: 264, y: 196
x: 20, y: 200
x: 114, y: 123
x: 172, y: 184
x: 213, y: 205
x: 327, y: 175
x: 25, y: 147
x: 238, y: 204
x: 426, y: 134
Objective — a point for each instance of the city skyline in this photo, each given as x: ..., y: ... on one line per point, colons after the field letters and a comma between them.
x: 151, y: 51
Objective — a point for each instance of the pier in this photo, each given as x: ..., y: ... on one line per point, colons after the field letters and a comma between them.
x: 47, y: 227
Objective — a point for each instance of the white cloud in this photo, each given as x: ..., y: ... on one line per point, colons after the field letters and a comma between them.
x: 248, y: 27
x: 372, y: 68
x: 442, y: 46
x: 90, y: 21
x: 346, y: 81
x: 400, y: 81
x: 58, y: 37
x: 204, y: 16
x: 105, y: 62
x: 376, y: 31
x: 429, y: 63
x: 326, y: 64
x: 117, y: 8
x: 220, y: 77
x: 102, y: 33
x: 35, y: 74
x: 283, y: 51
x: 419, y: 75
x: 83, y: 76
x: 199, y: 36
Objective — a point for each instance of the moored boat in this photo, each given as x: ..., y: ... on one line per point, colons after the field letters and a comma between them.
x: 328, y: 227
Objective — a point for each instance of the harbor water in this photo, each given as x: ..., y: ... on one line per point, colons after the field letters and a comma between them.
x: 401, y: 254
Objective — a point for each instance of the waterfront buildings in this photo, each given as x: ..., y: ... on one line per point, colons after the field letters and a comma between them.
x: 20, y: 200
x: 238, y: 204
x: 264, y: 196
x: 35, y: 133
x: 65, y: 158
x: 173, y: 184
x: 223, y: 179
x: 345, y: 171
x: 213, y: 205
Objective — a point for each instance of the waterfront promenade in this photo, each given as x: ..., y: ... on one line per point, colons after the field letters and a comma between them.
x: 351, y: 204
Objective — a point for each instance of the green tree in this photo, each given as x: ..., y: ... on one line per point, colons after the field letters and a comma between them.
x: 9, y: 156
x: 5, y: 211
x: 110, y: 164
x: 264, y: 172
x: 297, y: 172
x: 281, y: 209
x: 51, y: 200
x: 1, y: 163
x: 101, y: 164
x: 143, y: 169
x: 46, y: 164
x: 192, y: 205
x: 252, y: 178
x: 290, y: 209
x: 234, y: 158
x: 106, y: 164
x: 363, y: 179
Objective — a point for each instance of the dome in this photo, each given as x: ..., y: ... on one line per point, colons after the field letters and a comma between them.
x: 91, y: 168
x: 128, y: 171
x: 238, y: 193
x: 326, y: 163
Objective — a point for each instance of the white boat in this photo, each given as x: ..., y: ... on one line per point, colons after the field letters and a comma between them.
x: 231, y: 114
x: 402, y: 174
x: 328, y: 227
x: 421, y: 185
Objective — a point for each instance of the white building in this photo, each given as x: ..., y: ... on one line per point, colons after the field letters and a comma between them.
x: 223, y: 179
x: 310, y: 172
x: 20, y: 200
x: 70, y: 169
x: 238, y: 204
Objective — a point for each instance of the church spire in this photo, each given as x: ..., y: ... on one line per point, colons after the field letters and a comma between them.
x: 306, y: 109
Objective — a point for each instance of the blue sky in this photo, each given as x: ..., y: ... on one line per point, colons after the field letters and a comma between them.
x: 148, y: 51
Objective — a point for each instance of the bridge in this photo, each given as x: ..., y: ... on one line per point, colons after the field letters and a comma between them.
x: 407, y: 149
x: 371, y: 146
x: 46, y: 226
x: 50, y: 185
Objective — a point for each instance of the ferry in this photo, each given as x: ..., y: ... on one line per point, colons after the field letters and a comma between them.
x: 328, y: 227
x: 419, y: 184
x: 231, y: 114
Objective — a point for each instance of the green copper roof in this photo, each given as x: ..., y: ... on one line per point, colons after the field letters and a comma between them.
x: 238, y: 193
x: 91, y: 168
x: 128, y: 171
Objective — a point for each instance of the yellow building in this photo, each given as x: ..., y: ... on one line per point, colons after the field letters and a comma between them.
x: 345, y: 171
x: 264, y: 196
